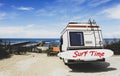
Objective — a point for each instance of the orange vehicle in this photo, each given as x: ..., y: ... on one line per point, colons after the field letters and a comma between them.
x: 54, y: 51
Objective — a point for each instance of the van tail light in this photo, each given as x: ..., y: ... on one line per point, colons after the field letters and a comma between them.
x: 100, y: 42
x: 68, y: 49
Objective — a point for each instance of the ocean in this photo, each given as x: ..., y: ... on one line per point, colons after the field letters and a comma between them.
x: 32, y: 40
x: 13, y: 40
x: 111, y: 39
x: 52, y: 40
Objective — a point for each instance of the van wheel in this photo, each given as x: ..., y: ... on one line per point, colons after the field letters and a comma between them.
x: 72, y: 66
x: 60, y: 57
x: 102, y: 60
x: 65, y: 61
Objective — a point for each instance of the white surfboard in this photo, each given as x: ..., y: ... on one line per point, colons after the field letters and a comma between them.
x: 88, y: 54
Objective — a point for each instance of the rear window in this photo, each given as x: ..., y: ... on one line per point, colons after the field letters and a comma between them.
x: 76, y: 39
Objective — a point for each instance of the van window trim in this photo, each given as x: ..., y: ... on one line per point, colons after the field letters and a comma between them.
x: 82, y: 37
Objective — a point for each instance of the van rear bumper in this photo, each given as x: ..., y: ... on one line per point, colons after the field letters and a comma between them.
x: 82, y: 61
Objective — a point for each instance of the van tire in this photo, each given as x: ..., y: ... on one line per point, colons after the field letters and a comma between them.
x: 65, y: 61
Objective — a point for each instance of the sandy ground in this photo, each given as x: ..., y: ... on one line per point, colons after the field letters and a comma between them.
x: 34, y: 64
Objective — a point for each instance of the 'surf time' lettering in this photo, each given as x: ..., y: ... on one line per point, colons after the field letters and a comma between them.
x: 95, y: 53
x: 76, y: 54
x: 89, y: 53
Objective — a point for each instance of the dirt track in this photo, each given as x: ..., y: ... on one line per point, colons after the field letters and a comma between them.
x: 34, y: 64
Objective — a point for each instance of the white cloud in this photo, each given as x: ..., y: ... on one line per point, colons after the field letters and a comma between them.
x: 111, y: 31
x: 31, y: 25
x: 1, y: 4
x: 25, y: 8
x: 72, y: 1
x: 114, y: 34
x: 8, y: 15
x: 29, y: 31
x: 35, y: 31
x: 61, y: 8
x: 46, y: 12
x: 95, y: 3
x: 113, y: 12
x: 2, y: 16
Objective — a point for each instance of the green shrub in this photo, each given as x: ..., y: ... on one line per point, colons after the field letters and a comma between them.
x: 114, y: 46
x: 3, y: 50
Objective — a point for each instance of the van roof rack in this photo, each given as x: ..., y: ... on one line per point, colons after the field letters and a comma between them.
x: 73, y: 23
x: 90, y: 21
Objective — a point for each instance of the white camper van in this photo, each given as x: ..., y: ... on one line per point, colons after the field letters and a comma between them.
x: 82, y: 42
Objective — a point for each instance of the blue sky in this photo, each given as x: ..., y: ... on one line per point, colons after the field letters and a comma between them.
x: 47, y: 18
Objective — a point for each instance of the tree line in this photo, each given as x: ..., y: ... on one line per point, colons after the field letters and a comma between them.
x: 114, y: 46
x: 3, y: 50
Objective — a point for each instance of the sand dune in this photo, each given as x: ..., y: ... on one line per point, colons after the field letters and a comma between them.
x: 34, y: 64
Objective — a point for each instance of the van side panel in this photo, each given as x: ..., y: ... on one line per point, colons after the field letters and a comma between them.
x: 65, y: 41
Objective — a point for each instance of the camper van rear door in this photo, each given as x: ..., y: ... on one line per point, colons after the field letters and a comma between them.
x: 76, y: 39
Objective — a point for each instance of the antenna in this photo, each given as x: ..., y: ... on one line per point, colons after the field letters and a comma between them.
x: 94, y: 22
x: 90, y: 22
